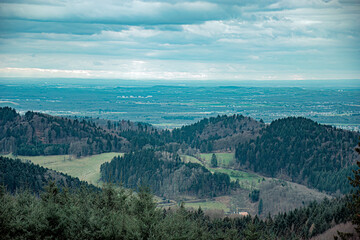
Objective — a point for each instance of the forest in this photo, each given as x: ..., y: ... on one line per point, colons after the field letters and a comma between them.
x: 303, y: 151
x: 116, y: 213
x: 166, y: 175
x: 152, y: 163
x: 41, y: 134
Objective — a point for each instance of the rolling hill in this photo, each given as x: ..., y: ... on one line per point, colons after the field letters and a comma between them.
x: 303, y: 151
x: 35, y: 134
x: 17, y: 175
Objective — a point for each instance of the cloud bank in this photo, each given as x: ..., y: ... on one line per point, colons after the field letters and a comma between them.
x: 182, y: 40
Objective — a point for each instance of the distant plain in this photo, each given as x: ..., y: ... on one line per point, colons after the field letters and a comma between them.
x: 172, y: 104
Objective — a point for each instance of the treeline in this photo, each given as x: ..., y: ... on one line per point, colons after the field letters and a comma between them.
x: 304, y: 151
x: 221, y: 133
x: 118, y: 214
x: 16, y: 175
x: 165, y: 174
x: 217, y: 133
x: 41, y: 134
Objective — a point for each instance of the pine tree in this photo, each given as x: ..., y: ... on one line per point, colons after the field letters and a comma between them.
x: 214, y: 161
x: 260, y: 208
x: 355, y: 182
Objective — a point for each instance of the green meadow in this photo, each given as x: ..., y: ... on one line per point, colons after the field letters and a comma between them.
x: 246, y: 180
x: 224, y: 159
x: 208, y: 205
x: 85, y: 168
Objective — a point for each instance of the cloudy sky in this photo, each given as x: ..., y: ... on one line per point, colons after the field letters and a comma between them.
x: 181, y: 40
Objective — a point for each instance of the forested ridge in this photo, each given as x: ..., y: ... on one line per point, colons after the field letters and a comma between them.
x: 302, y: 151
x: 221, y: 133
x: 41, y: 134
x: 166, y: 175
x: 16, y: 175
x: 218, y: 133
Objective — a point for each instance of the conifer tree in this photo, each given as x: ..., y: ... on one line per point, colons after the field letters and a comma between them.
x: 214, y: 161
x: 355, y: 182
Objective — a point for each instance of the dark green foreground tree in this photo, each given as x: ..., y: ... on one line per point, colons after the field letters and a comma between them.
x: 115, y: 213
x: 354, y: 203
x: 355, y: 182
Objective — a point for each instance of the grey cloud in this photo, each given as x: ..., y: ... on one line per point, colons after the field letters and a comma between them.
x: 13, y: 26
x: 129, y: 13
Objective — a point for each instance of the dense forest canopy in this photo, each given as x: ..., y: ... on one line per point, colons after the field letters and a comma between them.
x: 166, y: 175
x: 41, y: 134
x: 119, y: 214
x: 302, y: 151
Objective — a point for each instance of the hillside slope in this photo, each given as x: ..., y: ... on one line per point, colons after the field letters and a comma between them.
x: 166, y: 175
x: 16, y: 175
x: 303, y: 151
x: 221, y: 133
x: 42, y: 134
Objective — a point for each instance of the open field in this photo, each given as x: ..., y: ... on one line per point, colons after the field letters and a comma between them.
x: 224, y: 159
x: 245, y: 179
x: 208, y: 205
x: 86, y: 168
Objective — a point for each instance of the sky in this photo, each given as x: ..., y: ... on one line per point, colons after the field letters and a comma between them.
x: 180, y: 40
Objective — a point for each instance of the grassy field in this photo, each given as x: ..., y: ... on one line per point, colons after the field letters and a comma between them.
x: 86, y: 168
x: 208, y: 205
x: 224, y: 159
x: 246, y: 180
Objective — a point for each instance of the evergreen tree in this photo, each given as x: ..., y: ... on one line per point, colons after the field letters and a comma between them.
x: 355, y: 205
x: 214, y: 161
x: 260, y: 207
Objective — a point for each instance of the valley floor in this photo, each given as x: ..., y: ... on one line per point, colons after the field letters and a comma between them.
x: 275, y: 195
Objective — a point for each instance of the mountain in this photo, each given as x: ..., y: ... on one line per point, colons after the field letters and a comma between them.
x: 303, y: 151
x: 42, y: 134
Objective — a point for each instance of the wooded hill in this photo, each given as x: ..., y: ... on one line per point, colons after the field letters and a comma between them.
x: 303, y: 151
x: 42, y: 134
x: 221, y: 133
x: 218, y: 133
x: 166, y: 175
x: 16, y: 175
x: 295, y: 149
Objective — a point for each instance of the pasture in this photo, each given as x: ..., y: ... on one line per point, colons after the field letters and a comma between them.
x: 85, y: 168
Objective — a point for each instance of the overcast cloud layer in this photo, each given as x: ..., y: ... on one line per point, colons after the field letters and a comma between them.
x: 201, y: 40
